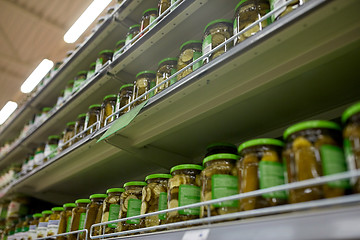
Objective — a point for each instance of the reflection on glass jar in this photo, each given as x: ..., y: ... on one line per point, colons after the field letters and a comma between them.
x: 189, y: 52
x: 92, y: 116
x: 111, y: 209
x: 166, y: 68
x: 107, y: 108
x: 141, y: 85
x: 124, y: 97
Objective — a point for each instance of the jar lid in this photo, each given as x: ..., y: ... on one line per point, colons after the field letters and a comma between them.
x: 115, y: 190
x: 57, y: 209
x: 149, y: 10
x: 190, y: 42
x: 94, y: 106
x: 134, y: 26
x: 66, y: 205
x: 92, y: 64
x: 221, y: 156
x: 144, y: 72
x: 120, y: 42
x: 54, y: 137
x: 46, y: 109
x: 70, y: 123
x: 260, y: 141
x: 135, y: 183
x: 110, y: 96
x: 106, y: 51
x: 82, y: 72
x: 239, y: 4
x: 98, y: 196
x: 70, y: 82
x: 152, y: 176
x: 83, y: 201
x: 167, y: 59
x: 350, y: 111
x: 39, y: 215
x: 186, y: 166
x: 46, y: 212
x: 126, y: 85
x: 221, y: 144
x: 81, y: 115
x: 310, y: 124
x: 218, y: 21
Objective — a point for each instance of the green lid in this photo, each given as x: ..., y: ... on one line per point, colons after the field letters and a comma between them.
x: 111, y: 190
x: 150, y: 9
x: 120, y: 42
x: 135, y: 183
x: 126, y: 85
x: 218, y: 21
x: 82, y: 72
x: 260, y: 141
x: 83, y: 201
x: 57, y: 209
x: 134, y: 26
x: 221, y: 144
x: 66, y: 205
x: 167, y: 59
x: 46, y: 109
x: 46, y: 212
x: 350, y: 111
x: 110, y: 96
x: 238, y: 5
x: 39, y: 151
x: 54, y: 137
x: 98, y: 196
x: 71, y: 82
x: 186, y: 166
x: 190, y: 42
x: 106, y: 51
x: 94, y: 106
x: 70, y: 123
x: 152, y: 176
x: 38, y: 215
x: 92, y: 64
x: 81, y: 115
x: 310, y: 124
x: 144, y: 72
x: 220, y: 156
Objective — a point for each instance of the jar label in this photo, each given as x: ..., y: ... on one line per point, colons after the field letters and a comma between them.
x: 162, y: 204
x: 82, y: 221
x: 77, y: 83
x: 127, y: 41
x: 41, y: 229
x: 275, y: 4
x: 39, y: 159
x: 32, y: 228
x: 189, y: 194
x: 223, y: 186
x: 235, y: 28
x: 152, y: 19
x: 99, y: 64
x: 67, y: 92
x: 50, y: 150
x: 53, y: 227
x: 271, y: 175
x: 25, y: 229
x: 68, y: 224
x: 152, y: 85
x: 333, y: 161
x: 90, y: 74
x: 198, y: 64
x: 32, y: 233
x: 134, y: 207
x: 206, y: 46
x: 114, y: 210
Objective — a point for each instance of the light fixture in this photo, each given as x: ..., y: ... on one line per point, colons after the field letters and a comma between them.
x: 7, y: 110
x: 35, y: 77
x: 84, y: 21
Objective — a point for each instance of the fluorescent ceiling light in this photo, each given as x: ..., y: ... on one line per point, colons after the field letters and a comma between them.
x: 36, y: 76
x: 7, y: 110
x: 84, y: 21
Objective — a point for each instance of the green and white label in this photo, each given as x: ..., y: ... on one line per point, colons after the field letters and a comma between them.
x: 134, y: 207
x: 189, y: 194
x: 206, y: 46
x: 271, y: 175
x: 114, y: 210
x: 68, y: 224
x: 82, y: 221
x: 77, y: 83
x: 333, y: 161
x: 198, y: 64
x: 173, y: 80
x: 223, y: 186
x: 90, y: 74
x: 162, y: 204
x: 235, y: 27
x: 50, y: 150
x: 127, y: 41
x: 99, y: 64
x: 275, y: 4
x: 152, y: 19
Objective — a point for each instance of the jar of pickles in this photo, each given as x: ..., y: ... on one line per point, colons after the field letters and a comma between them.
x: 104, y: 57
x: 68, y: 89
x: 92, y: 116
x: 51, y: 146
x: 54, y: 220
x: 148, y: 18
x: 189, y: 52
x: 44, y: 113
x: 166, y: 68
x: 79, y: 79
x: 118, y: 48
x: 130, y: 202
x: 141, y: 85
x: 39, y: 155
x: 154, y: 198
x: 131, y: 35
x: 163, y: 5
x: 65, y: 220
x: 80, y: 126
x: 247, y: 12
x: 111, y: 209
x: 25, y: 227
x: 285, y: 10
x: 91, y: 71
x: 108, y: 107
x: 351, y: 134
x: 78, y: 217
x: 184, y: 188
x: 261, y: 167
x: 94, y: 212
x: 221, y: 147
x: 215, y: 33
x: 68, y: 134
x: 124, y: 98
x: 313, y: 149
x: 43, y: 223
x: 60, y: 98
x: 219, y: 179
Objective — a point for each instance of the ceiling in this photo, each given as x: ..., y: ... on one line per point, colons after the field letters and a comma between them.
x: 31, y: 30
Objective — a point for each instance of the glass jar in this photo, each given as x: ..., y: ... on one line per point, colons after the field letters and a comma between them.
x: 68, y: 134
x: 313, y: 149
x: 33, y: 226
x: 50, y: 150
x: 54, y: 220
x: 78, y: 217
x: 163, y: 5
x: 43, y: 224
x: 124, y: 97
x: 285, y: 10
x: 130, y: 202
x: 60, y: 98
x: 148, y: 17
x: 68, y: 89
x: 184, y: 188
x: 219, y: 179
x: 39, y: 155
x: 30, y: 163
x: 118, y: 48
x: 189, y: 52
x: 25, y: 227
x: 141, y: 85
x: 215, y: 33
x: 261, y: 167
x: 221, y: 147
x: 166, y: 68
x: 104, y: 57
x: 44, y: 112
x: 94, y: 212
x: 91, y: 71
x: 108, y: 107
x: 351, y: 134
x: 247, y: 12
x: 65, y: 220
x: 80, y: 126
x: 79, y: 79
x: 92, y: 116
x: 111, y: 209
x: 131, y: 35
x: 154, y: 198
